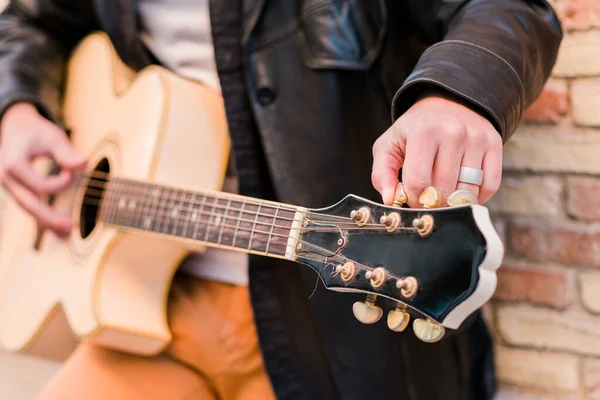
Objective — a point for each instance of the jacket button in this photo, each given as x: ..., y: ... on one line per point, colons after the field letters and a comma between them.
x: 266, y: 95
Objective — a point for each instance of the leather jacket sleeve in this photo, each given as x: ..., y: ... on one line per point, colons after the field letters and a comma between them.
x: 494, y: 54
x: 35, y: 39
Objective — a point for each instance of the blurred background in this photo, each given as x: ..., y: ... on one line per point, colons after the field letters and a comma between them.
x: 546, y: 313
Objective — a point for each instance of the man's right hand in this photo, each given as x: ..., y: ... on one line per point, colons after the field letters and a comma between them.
x: 24, y: 136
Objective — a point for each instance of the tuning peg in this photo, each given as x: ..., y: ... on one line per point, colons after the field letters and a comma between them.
x: 400, y: 197
x: 367, y: 312
x: 462, y: 197
x: 428, y: 331
x: 397, y: 319
x: 431, y: 197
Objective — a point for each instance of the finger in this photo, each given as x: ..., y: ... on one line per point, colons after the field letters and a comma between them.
x: 418, y: 168
x: 492, y: 174
x: 37, y: 182
x: 63, y: 151
x: 473, y: 158
x: 42, y: 212
x: 388, y: 158
x: 446, y: 167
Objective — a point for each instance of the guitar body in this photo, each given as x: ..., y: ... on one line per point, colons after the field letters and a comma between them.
x: 105, y: 284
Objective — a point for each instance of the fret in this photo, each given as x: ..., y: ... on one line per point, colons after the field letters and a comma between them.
x: 237, y: 225
x: 175, y: 213
x: 190, y: 217
x: 208, y: 225
x: 146, y: 220
x: 224, y: 221
x: 199, y: 217
x: 272, y: 227
x: 254, y: 226
x: 139, y: 211
x: 155, y: 195
x: 218, y: 220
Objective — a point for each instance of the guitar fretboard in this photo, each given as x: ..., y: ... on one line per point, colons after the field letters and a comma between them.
x: 217, y: 219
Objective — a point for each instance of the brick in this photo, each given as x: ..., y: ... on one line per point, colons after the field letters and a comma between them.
x: 562, y: 242
x: 578, y: 14
x: 591, y: 377
x: 583, y: 198
x: 545, y: 371
x: 575, y: 152
x: 573, y: 330
x: 578, y: 55
x: 539, y: 284
x: 589, y: 283
x: 522, y: 196
x: 585, y: 102
x: 551, y: 105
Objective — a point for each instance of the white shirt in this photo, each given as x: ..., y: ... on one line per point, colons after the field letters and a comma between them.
x: 178, y: 33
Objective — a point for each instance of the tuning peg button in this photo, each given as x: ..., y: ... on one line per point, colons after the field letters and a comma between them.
x: 428, y: 331
x: 367, y: 312
x: 431, y: 197
x: 398, y: 319
x: 400, y: 197
x: 462, y: 197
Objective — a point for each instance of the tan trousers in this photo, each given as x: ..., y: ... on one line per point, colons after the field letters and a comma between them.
x: 214, y: 355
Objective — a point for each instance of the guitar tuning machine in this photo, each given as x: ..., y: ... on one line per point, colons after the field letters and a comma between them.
x: 360, y: 216
x: 462, y: 197
x: 407, y: 286
x: 398, y: 318
x: 428, y: 331
x: 431, y: 197
x: 391, y: 221
x: 346, y: 271
x: 366, y: 311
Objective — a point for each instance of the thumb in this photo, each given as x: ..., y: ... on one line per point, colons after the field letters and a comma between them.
x: 388, y: 158
x: 63, y: 151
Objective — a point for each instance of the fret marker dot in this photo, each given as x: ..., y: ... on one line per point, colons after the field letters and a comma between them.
x: 218, y: 219
x: 147, y: 222
x: 131, y: 205
x: 194, y: 215
x: 122, y: 203
x: 175, y: 213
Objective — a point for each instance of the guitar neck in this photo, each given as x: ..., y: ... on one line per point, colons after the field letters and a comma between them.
x: 216, y: 219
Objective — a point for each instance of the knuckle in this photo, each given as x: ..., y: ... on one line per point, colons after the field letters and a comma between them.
x: 375, y: 179
x: 377, y: 146
x: 416, y: 183
x: 454, y: 130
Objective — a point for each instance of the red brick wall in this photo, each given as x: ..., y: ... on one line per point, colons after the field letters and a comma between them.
x: 546, y: 312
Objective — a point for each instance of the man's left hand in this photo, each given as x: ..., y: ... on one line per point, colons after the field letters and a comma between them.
x: 430, y: 142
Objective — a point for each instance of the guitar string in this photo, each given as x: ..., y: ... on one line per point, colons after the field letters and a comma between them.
x: 227, y: 196
x: 118, y: 186
x: 305, y: 254
x: 90, y: 198
x: 335, y: 257
x: 222, y: 195
x: 168, y: 217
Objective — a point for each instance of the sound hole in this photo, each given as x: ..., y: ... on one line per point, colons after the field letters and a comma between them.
x: 92, y: 198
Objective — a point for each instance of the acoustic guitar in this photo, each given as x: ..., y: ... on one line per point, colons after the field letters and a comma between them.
x: 158, y: 149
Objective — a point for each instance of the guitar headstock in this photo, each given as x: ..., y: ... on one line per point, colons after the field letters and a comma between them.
x: 438, y: 264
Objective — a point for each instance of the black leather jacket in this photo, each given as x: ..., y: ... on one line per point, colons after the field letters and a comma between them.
x: 320, y: 77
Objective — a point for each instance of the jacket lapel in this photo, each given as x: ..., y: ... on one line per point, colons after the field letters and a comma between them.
x: 252, y: 10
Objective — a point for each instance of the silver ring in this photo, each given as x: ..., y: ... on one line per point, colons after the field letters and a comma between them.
x: 473, y: 176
